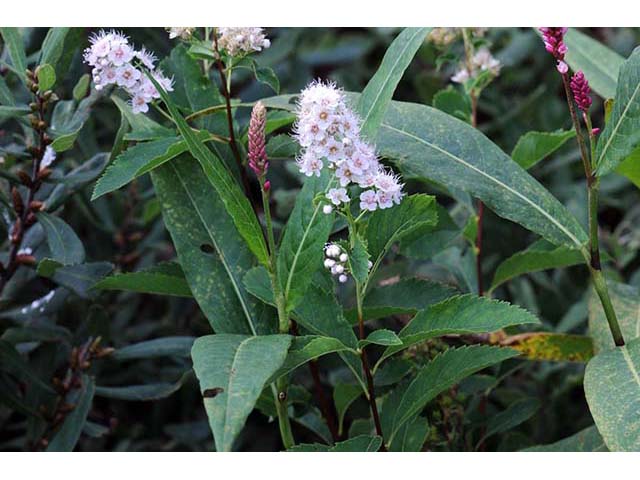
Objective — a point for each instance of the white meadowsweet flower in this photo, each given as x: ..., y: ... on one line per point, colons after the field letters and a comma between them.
x: 343, y: 278
x: 369, y: 200
x: 147, y: 58
x: 461, y: 76
x: 242, y: 40
x: 338, y: 196
x: 180, y: 32
x: 48, y: 158
x: 483, y: 60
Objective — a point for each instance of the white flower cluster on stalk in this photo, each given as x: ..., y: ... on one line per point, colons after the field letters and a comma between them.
x: 329, y: 132
x: 482, y: 61
x: 335, y: 259
x: 180, y: 32
x: 443, y: 36
x: 242, y: 40
x: 112, y: 60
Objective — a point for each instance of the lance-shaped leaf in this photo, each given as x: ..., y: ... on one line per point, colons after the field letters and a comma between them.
x: 612, y: 388
x: 233, y: 370
x: 145, y: 392
x: 541, y: 255
x: 444, y: 371
x: 377, y: 94
x: 587, y: 440
x: 13, y: 40
x: 621, y: 134
x: 429, y: 144
x: 535, y: 146
x: 344, y: 395
x: 165, y: 278
x: 464, y: 314
x: 158, y: 347
x: 306, y: 232
x: 211, y: 252
x: 599, y: 63
x: 63, y: 242
x: 66, y: 438
x: 234, y: 199
x: 554, y: 347
x: 626, y: 303
x: 518, y: 412
x: 361, y: 443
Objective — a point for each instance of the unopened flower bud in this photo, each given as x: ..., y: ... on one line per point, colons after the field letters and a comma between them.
x: 344, y: 257
x: 328, y: 263
x: 257, y: 144
x: 339, y: 268
x: 327, y: 209
x: 342, y: 278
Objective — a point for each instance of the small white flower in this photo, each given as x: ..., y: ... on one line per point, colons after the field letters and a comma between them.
x: 461, y: 76
x: 327, y: 209
x: 139, y: 104
x: 368, y: 200
x: 329, y: 262
x: 48, y: 158
x: 121, y: 54
x: 332, y: 250
x: 242, y: 40
x: 127, y: 76
x: 338, y: 196
x: 342, y: 278
x: 180, y: 32
x: 483, y: 60
x: 344, y: 257
x: 147, y: 58
x: 339, y: 268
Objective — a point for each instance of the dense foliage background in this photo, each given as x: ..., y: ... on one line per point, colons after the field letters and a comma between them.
x: 157, y: 405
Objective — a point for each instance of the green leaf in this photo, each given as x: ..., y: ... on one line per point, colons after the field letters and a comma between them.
x: 165, y: 278
x: 234, y: 199
x: 59, y: 47
x: 444, y: 371
x: 384, y: 337
x: 378, y: 93
x: 612, y: 388
x: 8, y: 112
x: 12, y: 362
x: 359, y: 261
x: 454, y: 102
x: 307, y: 230
x: 158, y: 347
x: 66, y: 438
x: 587, y: 440
x: 233, y: 370
x: 553, y: 347
x: 80, y: 278
x: 599, y: 63
x: 621, y: 135
x: 427, y: 241
x: 211, y: 252
x: 431, y: 145
x: 385, y: 227
x: 344, y: 395
x: 13, y: 40
x: 630, y: 167
x: 403, y: 297
x: 143, y: 393
x: 541, y: 255
x: 267, y: 76
x: 411, y: 436
x: 82, y: 87
x: 46, y: 77
x: 6, y: 97
x: 517, y: 413
x: 63, y: 242
x: 142, y: 126
x: 361, y: 443
x: 626, y: 303
x: 463, y: 314
x: 535, y: 146
x: 76, y: 179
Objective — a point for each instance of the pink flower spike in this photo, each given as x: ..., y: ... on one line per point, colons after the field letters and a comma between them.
x: 553, y: 38
x: 257, y: 145
x: 581, y: 91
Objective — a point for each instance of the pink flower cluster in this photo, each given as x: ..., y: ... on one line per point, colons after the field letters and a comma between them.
x: 554, y: 43
x: 112, y: 59
x: 329, y: 132
x: 257, y: 149
x: 581, y: 91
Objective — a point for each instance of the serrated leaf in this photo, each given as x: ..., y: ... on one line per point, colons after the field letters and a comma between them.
x: 612, y: 388
x: 306, y: 232
x: 163, y: 279
x: 535, y: 146
x: 158, y: 347
x: 444, y: 371
x: 76, y: 179
x: 212, y: 254
x: 626, y: 303
x: 63, y: 242
x: 233, y: 370
x: 541, y: 255
x: 384, y: 337
x: 463, y: 314
x: 621, y: 134
x: 599, y: 63
x: 377, y: 94
x: 587, y: 440
x: 361, y: 443
x: 267, y: 76
x: 359, y: 261
x: 66, y: 438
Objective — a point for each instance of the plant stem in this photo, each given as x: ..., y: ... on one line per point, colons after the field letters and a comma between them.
x: 595, y: 268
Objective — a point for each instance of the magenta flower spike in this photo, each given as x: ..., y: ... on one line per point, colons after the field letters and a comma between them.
x: 581, y: 91
x: 257, y: 146
x: 554, y: 44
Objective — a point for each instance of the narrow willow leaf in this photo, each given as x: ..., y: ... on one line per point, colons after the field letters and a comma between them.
x: 344, y: 395
x: 82, y: 277
x: 359, y: 261
x: 612, y: 388
x: 142, y: 393
x: 63, y: 242
x: 143, y: 128
x: 541, y: 255
x: 429, y: 144
x: 235, y: 201
x: 444, y: 371
x: 378, y: 93
x: 621, y: 135
x: 163, y: 279
x: 13, y: 40
x: 517, y: 413
x: 403, y: 297
x: 233, y: 370
x: 211, y: 252
x: 53, y: 46
x: 535, y: 146
x: 306, y: 232
x: 553, y: 347
x: 626, y: 303
x: 587, y: 440
x: 158, y: 347
x: 76, y: 179
x: 361, y: 443
x: 66, y: 438
x: 464, y: 314
x: 425, y: 242
x: 306, y: 348
x: 599, y: 63
x: 12, y: 362
x: 384, y: 337
x: 385, y: 227
x: 6, y: 97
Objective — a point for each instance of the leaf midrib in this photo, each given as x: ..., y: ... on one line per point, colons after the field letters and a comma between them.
x: 493, y: 179
x: 231, y: 378
x: 630, y: 364
x: 617, y: 125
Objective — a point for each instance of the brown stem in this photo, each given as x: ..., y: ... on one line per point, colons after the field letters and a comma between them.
x: 227, y: 98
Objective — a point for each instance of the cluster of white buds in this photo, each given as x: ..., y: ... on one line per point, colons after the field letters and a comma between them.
x: 335, y: 259
x: 112, y: 59
x: 242, y: 40
x: 481, y: 61
x: 443, y: 36
x: 329, y: 131
x: 183, y: 33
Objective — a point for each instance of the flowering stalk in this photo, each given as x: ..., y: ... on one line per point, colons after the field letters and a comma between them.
x: 577, y: 89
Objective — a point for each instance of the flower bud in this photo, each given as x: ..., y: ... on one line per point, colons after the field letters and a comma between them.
x: 257, y: 144
x: 342, y: 278
x: 327, y: 209
x: 344, y: 257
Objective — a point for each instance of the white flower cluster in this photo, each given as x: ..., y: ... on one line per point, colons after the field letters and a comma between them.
x: 180, y: 32
x: 481, y: 61
x: 329, y: 131
x: 335, y: 259
x: 443, y: 36
x: 111, y: 57
x: 242, y: 40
